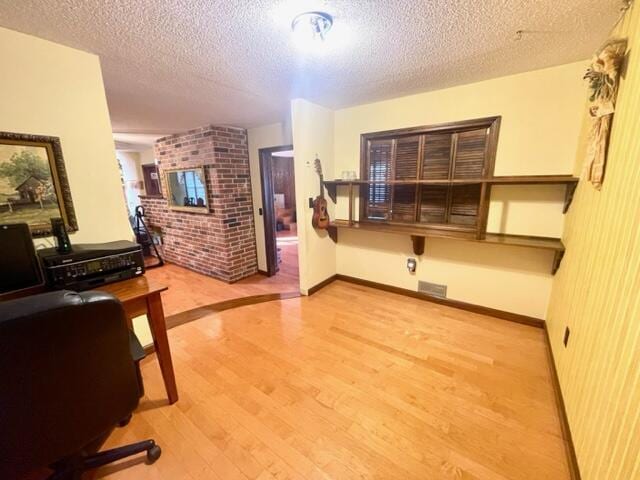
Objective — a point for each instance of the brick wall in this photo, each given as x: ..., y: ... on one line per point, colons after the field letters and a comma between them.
x: 220, y: 243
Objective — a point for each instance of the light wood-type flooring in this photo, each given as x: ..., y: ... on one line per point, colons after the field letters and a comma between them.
x: 188, y: 290
x: 349, y: 383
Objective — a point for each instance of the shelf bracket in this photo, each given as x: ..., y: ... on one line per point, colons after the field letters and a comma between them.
x: 568, y: 196
x: 331, y: 191
x: 418, y: 244
x: 333, y: 233
x: 557, y: 259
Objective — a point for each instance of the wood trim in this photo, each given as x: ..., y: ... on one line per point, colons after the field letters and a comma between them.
x: 181, y: 318
x: 151, y: 186
x: 268, y: 210
x: 363, y: 192
x: 483, y: 211
x: 491, y: 147
x: 502, y: 180
x: 149, y: 349
x: 572, y: 459
x: 24, y: 292
x: 321, y: 285
x: 418, y: 192
x: 470, y: 307
x: 460, y: 125
x: 263, y: 272
x: 453, y: 152
x: 524, y: 241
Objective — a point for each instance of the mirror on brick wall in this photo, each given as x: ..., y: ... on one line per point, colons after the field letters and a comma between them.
x: 187, y: 190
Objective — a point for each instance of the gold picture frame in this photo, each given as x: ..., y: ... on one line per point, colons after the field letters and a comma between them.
x: 33, y: 183
x: 187, y: 190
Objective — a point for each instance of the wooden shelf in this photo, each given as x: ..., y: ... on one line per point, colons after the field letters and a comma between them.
x: 569, y: 180
x: 513, y: 180
x: 419, y: 234
x: 534, y: 180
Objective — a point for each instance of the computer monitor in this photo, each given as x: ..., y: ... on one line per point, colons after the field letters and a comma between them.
x: 19, y: 267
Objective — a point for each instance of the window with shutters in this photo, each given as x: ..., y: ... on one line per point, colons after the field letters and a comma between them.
x: 430, y: 176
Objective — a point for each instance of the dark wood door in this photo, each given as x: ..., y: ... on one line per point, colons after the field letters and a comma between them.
x: 151, y: 179
x: 268, y: 207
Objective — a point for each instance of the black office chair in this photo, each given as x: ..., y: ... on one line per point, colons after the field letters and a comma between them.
x: 67, y: 377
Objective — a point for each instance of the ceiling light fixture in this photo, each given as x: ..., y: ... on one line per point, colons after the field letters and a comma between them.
x: 311, y: 28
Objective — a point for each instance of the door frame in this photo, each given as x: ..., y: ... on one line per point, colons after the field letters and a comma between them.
x: 268, y: 211
x: 148, y: 181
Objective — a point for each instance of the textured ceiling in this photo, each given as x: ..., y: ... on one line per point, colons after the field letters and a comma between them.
x: 171, y: 65
x: 136, y: 142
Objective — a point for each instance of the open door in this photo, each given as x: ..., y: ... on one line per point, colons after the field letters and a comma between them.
x: 278, y: 203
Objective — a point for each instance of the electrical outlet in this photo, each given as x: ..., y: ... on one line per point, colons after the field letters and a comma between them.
x: 567, y: 332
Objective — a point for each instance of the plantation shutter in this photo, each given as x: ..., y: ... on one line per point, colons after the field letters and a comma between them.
x: 406, y: 168
x: 435, y: 175
x: 433, y: 203
x: 470, y: 154
x: 379, y: 169
x: 465, y: 202
x: 407, y: 150
x: 436, y: 159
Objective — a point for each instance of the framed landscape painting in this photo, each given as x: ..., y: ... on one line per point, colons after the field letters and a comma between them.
x: 33, y: 183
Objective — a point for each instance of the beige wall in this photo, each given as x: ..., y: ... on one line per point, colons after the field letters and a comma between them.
x: 147, y: 156
x: 597, y: 294
x: 49, y: 89
x: 538, y: 135
x: 313, y: 133
x: 132, y: 176
x: 266, y: 136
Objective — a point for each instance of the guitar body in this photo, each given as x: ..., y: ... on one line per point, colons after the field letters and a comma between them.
x: 320, y: 217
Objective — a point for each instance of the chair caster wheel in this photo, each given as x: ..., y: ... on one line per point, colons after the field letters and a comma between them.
x: 153, y: 454
x: 125, y: 421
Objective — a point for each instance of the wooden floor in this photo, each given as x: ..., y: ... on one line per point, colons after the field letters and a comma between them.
x: 350, y: 383
x: 288, y: 268
x: 188, y: 290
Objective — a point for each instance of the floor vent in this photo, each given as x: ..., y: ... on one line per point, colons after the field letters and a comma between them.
x: 432, y: 289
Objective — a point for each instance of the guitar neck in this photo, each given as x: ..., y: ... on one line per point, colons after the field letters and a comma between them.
x: 321, y: 186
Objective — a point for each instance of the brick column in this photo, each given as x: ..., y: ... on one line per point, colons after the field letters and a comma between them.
x: 220, y: 243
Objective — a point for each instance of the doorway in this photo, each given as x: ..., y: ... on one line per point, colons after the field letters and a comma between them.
x: 151, y: 179
x: 277, y: 176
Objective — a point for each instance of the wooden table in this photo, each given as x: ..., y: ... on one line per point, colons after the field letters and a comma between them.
x: 139, y: 296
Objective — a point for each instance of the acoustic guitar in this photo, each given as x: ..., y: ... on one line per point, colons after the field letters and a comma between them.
x: 320, y: 217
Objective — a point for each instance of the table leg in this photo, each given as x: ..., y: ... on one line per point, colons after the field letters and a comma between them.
x: 155, y: 313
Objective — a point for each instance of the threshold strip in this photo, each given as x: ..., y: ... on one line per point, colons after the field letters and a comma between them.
x: 199, y: 312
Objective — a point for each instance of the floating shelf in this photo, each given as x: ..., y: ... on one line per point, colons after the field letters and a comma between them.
x: 419, y: 234
x: 570, y: 181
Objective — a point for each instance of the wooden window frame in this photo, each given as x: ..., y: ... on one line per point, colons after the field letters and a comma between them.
x: 479, y: 230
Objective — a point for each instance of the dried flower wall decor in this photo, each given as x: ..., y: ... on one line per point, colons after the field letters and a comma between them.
x: 603, y: 77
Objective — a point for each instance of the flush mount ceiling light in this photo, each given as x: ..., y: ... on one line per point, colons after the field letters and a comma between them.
x: 311, y: 28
